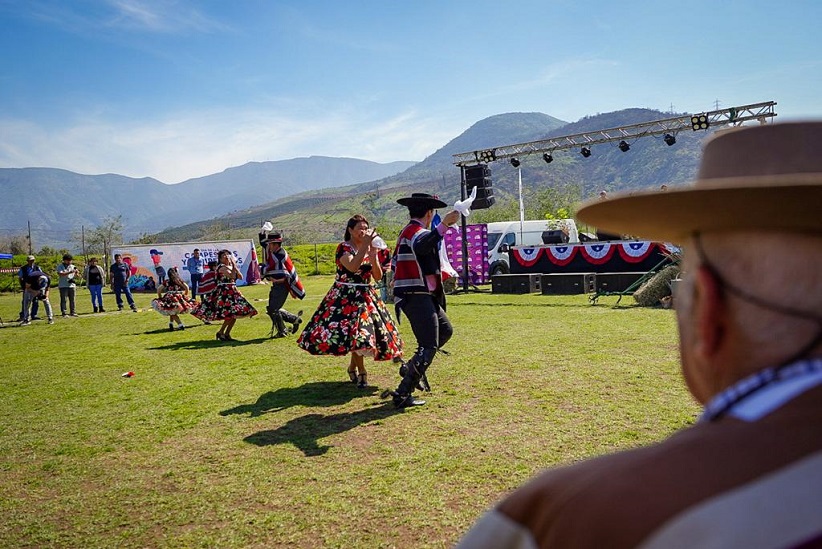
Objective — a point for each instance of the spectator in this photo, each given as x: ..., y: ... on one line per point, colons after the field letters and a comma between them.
x: 194, y: 266
x: 749, y: 472
x: 120, y: 273
x: 66, y: 283
x: 22, y: 274
x: 95, y: 277
x: 37, y: 284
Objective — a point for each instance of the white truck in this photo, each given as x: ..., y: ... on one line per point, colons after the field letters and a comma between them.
x: 502, y: 235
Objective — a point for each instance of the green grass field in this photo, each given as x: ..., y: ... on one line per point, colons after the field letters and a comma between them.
x: 258, y: 444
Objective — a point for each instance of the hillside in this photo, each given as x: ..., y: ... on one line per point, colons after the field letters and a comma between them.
x: 58, y: 202
x: 319, y: 216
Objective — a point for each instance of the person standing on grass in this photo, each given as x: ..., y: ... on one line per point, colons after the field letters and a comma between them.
x: 172, y: 299
x: 66, y: 283
x: 120, y: 273
x: 195, y: 267
x: 37, y: 285
x: 418, y: 291
x: 227, y: 303
x: 352, y: 319
x: 95, y: 277
x: 749, y: 312
x: 280, y: 271
x: 22, y: 275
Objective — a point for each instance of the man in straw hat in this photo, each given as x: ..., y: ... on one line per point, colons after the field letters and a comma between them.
x: 749, y: 473
x: 418, y: 291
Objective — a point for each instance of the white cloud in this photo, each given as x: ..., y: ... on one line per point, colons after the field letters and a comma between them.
x: 195, y: 144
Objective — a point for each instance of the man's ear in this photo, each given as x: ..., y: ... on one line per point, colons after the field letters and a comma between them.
x: 710, y: 313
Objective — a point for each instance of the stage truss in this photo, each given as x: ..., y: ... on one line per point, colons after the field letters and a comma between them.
x: 760, y: 112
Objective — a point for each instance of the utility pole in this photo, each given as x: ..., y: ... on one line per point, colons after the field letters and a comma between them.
x: 29, y: 224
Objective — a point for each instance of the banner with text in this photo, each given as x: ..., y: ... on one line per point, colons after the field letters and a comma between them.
x: 149, y: 263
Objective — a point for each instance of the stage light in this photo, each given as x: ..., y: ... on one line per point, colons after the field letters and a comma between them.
x: 488, y: 156
x: 515, y: 162
x: 699, y: 122
x: 586, y: 152
x: 669, y: 139
x: 547, y: 157
x: 624, y: 146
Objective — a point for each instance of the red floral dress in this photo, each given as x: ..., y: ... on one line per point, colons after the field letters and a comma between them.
x: 173, y: 302
x: 352, y: 317
x: 225, y: 301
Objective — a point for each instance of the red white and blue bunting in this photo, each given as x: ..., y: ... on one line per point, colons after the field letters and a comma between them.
x: 527, y: 257
x: 597, y: 254
x: 561, y: 255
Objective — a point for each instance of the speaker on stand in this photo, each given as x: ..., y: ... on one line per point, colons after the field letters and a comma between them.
x: 479, y: 176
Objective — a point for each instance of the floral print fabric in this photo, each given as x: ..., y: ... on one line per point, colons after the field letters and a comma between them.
x: 225, y: 301
x: 173, y: 302
x: 351, y: 317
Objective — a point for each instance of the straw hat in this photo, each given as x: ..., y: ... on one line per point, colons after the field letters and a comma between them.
x: 764, y: 177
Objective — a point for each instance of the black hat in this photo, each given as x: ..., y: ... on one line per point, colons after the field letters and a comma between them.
x: 273, y: 237
x: 430, y: 201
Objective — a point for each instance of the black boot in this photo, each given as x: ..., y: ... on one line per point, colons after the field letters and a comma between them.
x: 294, y: 320
x: 278, y: 329
x: 405, y: 400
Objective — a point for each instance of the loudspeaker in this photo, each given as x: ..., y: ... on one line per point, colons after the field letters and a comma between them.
x: 602, y: 235
x: 617, y: 282
x: 568, y: 284
x: 516, y: 284
x: 479, y: 176
x: 554, y: 237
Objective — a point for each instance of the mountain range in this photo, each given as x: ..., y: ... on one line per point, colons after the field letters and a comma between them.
x: 313, y: 196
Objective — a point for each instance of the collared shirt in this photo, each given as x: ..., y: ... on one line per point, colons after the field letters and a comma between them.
x: 195, y: 265
x: 759, y: 394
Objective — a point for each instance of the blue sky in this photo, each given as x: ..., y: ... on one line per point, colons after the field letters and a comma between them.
x: 175, y: 89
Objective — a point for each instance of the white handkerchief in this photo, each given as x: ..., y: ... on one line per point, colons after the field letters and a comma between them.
x: 464, y: 206
x: 379, y: 243
x: 267, y: 226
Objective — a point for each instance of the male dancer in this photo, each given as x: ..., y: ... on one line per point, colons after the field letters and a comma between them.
x: 418, y: 291
x: 277, y: 267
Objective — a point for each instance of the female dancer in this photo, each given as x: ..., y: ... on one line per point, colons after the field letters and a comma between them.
x: 172, y: 299
x: 226, y: 303
x: 352, y: 318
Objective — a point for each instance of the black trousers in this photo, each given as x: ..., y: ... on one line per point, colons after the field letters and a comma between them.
x: 428, y: 320
x: 277, y: 296
x: 276, y: 299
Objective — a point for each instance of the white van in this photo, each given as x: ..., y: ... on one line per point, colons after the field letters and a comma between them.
x: 502, y: 235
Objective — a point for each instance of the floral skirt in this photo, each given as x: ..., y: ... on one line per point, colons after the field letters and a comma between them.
x: 173, y: 303
x: 352, y: 319
x: 224, y: 302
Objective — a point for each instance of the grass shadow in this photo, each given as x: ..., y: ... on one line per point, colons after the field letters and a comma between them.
x: 306, y: 431
x: 318, y: 393
x: 208, y: 343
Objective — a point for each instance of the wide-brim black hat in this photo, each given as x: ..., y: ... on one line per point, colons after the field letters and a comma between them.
x: 273, y: 237
x: 430, y: 201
